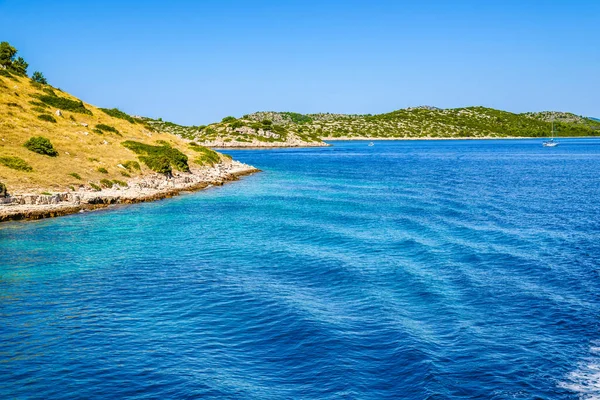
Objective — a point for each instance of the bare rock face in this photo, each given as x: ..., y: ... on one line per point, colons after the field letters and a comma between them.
x: 58, y: 113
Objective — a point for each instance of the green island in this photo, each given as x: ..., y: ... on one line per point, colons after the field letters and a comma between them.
x: 265, y: 129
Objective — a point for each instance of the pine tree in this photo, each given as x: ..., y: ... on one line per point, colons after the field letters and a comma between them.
x: 39, y: 78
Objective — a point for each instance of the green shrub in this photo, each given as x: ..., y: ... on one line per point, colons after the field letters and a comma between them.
x: 236, y: 124
x: 207, y: 156
x: 7, y: 74
x: 41, y: 145
x: 106, y: 183
x: 159, y: 164
x: 159, y: 158
x: 228, y: 119
x: 95, y: 187
x: 3, y: 192
x: 120, y: 183
x: 125, y: 174
x: 38, y: 104
x: 39, y: 110
x: 47, y: 193
x: 38, y: 77
x: 75, y: 175
x: 115, y: 112
x: 102, y: 170
x: 47, y: 117
x: 64, y: 103
x: 16, y: 163
x: 10, y: 104
x: 132, y: 165
x: 49, y: 91
x: 106, y: 128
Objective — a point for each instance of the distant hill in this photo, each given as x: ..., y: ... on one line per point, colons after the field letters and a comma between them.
x: 277, y: 128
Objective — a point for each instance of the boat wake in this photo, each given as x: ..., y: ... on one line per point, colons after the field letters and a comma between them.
x: 585, y: 380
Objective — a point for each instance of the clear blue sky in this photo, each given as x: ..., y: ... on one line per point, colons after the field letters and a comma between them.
x: 194, y: 62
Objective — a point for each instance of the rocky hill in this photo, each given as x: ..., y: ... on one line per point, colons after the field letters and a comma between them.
x: 53, y: 143
x: 293, y: 129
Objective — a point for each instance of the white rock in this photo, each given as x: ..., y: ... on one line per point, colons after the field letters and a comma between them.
x: 58, y: 113
x: 84, y: 124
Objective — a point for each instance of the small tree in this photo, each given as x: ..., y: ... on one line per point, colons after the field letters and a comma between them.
x: 7, y: 54
x: 19, y: 66
x: 39, y: 78
x: 8, y: 61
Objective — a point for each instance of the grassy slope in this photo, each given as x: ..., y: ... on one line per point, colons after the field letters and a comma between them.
x: 421, y: 122
x: 78, y: 153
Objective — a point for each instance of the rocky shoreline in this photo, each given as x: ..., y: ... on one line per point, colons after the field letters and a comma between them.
x: 257, y: 144
x: 144, y: 189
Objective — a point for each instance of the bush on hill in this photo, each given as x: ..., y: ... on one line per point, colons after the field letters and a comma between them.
x: 159, y: 158
x: 3, y: 192
x: 129, y: 165
x: 41, y: 145
x: 64, y: 104
x: 16, y: 163
x: 46, y: 117
x: 106, y: 128
x: 207, y: 156
x: 115, y: 112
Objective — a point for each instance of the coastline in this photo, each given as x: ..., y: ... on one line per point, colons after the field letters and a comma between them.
x: 363, y: 138
x: 255, y: 144
x: 145, y: 189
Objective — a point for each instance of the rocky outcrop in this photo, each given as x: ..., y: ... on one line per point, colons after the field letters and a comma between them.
x: 143, y: 189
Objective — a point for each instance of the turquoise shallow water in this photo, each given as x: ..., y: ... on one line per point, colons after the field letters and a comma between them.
x: 442, y: 269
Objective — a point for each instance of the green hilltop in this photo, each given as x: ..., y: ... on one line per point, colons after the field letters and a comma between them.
x: 283, y: 128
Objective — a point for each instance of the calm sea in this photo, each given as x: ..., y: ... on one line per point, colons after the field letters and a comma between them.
x: 415, y: 269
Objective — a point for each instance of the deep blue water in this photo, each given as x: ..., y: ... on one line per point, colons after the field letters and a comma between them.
x: 418, y: 270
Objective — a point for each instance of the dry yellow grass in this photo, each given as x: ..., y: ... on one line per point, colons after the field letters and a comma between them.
x: 78, y: 153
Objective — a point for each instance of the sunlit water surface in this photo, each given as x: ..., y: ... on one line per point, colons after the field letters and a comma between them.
x: 442, y: 269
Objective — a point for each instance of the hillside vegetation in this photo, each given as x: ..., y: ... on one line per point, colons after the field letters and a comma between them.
x: 276, y: 128
x: 52, y: 141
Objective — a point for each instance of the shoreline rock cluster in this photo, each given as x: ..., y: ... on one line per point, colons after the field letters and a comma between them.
x: 139, y: 190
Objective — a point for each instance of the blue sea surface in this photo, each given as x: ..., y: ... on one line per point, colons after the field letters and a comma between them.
x: 410, y: 269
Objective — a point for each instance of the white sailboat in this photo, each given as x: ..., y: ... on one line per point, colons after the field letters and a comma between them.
x: 551, y: 142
